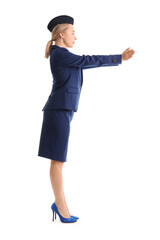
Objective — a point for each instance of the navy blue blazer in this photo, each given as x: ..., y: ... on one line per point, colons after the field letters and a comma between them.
x: 67, y: 71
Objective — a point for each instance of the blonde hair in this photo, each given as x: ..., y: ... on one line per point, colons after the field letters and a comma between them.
x: 54, y: 35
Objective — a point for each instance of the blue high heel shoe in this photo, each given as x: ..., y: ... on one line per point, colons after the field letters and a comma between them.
x: 64, y: 220
x: 74, y: 217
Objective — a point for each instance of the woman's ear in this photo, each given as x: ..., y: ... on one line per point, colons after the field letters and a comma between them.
x: 61, y: 35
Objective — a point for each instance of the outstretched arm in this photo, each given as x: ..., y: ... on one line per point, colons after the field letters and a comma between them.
x: 117, y: 59
x: 67, y: 59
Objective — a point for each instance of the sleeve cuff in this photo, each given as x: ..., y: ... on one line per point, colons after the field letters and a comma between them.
x: 117, y: 59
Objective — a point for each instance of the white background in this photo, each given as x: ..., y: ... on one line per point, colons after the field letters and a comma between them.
x: 111, y: 176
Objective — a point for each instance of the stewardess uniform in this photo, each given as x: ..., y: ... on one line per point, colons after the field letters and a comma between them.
x: 67, y: 72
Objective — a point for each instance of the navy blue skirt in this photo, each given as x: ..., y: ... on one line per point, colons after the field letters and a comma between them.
x: 55, y: 133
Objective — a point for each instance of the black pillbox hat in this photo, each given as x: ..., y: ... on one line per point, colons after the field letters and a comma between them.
x: 58, y: 20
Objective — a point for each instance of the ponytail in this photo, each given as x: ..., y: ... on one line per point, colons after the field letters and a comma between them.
x: 48, y: 48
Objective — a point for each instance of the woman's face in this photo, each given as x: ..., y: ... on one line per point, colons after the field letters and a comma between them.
x: 69, y: 36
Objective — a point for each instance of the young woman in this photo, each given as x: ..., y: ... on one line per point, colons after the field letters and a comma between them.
x: 67, y: 71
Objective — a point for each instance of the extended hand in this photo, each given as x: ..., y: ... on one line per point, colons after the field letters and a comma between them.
x: 127, y: 54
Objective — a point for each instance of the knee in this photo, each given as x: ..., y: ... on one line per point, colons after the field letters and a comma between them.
x: 56, y: 163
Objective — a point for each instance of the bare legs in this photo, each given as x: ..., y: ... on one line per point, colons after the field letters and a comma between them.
x: 57, y: 185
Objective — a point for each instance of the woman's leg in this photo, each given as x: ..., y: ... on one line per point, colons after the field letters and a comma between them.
x: 57, y: 185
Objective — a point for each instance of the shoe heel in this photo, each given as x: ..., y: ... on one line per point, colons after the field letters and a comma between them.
x: 53, y: 215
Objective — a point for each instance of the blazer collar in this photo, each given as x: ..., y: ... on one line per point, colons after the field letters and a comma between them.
x: 56, y: 46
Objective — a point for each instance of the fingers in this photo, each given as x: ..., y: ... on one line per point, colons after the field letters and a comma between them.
x: 130, y: 53
x: 129, y: 50
x: 127, y: 54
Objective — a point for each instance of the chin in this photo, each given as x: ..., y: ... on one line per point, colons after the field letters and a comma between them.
x: 71, y: 45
